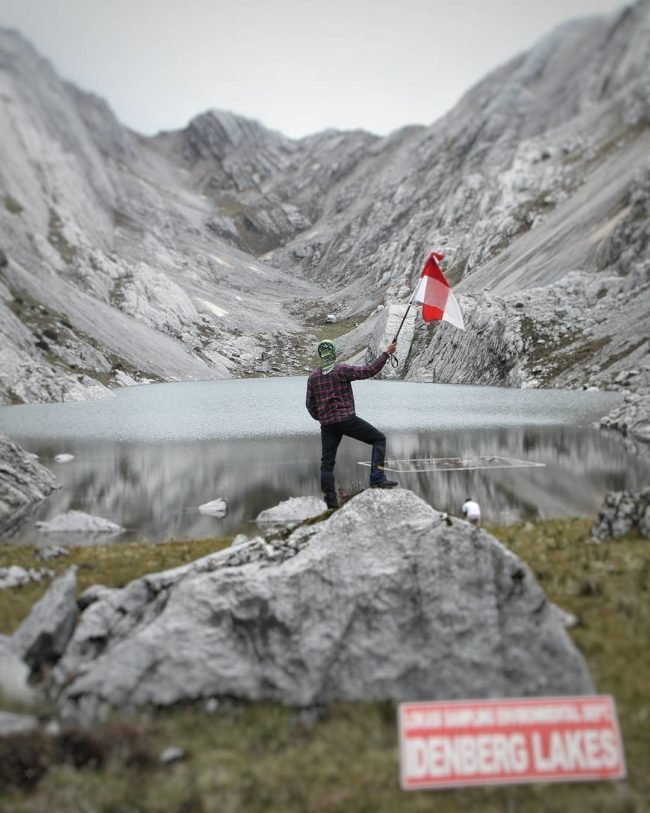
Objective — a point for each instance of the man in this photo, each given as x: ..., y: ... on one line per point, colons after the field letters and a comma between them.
x: 472, y: 511
x: 331, y: 402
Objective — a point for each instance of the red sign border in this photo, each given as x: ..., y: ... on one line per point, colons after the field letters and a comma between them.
x: 465, y: 783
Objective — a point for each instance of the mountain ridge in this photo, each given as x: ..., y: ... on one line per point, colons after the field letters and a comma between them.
x: 218, y: 249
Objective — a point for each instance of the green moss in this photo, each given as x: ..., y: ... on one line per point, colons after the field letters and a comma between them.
x: 335, y: 330
x: 57, y: 238
x: 12, y: 205
x: 122, y: 220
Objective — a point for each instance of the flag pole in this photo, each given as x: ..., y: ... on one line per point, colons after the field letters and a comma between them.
x: 401, y: 324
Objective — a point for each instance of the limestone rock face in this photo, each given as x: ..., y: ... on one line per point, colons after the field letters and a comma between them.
x: 386, y: 599
x: 23, y: 483
x: 110, y: 267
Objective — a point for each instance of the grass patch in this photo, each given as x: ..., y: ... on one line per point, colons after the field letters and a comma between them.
x: 607, y: 587
x: 264, y: 758
x: 334, y: 330
x: 111, y: 565
x: 627, y: 351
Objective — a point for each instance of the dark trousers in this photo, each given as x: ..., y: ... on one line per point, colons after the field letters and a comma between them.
x: 358, y: 429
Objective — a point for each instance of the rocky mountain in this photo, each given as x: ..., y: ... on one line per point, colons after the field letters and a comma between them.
x: 219, y: 249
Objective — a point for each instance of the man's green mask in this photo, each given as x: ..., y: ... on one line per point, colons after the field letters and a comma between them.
x: 327, y: 355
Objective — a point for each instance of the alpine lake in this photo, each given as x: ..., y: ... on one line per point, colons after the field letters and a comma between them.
x: 148, y: 457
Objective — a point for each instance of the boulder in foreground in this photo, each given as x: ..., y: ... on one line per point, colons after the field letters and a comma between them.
x: 388, y: 599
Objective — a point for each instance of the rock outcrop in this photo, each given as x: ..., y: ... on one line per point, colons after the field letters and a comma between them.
x: 23, y: 483
x: 622, y: 512
x: 387, y: 598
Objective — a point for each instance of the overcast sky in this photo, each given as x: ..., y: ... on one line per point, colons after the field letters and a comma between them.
x: 298, y: 66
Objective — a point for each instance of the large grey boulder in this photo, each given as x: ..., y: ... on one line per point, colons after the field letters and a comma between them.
x: 23, y: 483
x: 43, y: 636
x: 388, y: 598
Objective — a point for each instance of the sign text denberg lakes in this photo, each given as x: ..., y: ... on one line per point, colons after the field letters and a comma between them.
x: 509, y: 741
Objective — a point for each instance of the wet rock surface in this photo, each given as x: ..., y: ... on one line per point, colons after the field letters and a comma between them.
x: 24, y: 483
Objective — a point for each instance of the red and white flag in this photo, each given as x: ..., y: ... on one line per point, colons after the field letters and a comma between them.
x: 435, y: 295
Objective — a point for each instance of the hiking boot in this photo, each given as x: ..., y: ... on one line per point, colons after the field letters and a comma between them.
x: 384, y: 484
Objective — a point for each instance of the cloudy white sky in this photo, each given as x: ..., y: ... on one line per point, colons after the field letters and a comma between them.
x: 298, y: 66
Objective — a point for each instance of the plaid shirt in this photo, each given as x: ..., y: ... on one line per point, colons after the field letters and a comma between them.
x: 330, y: 398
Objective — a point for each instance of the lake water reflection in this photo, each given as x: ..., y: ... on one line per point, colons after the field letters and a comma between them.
x: 149, y: 457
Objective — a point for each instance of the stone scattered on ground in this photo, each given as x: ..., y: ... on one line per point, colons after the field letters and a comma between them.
x: 215, y: 508
x: 51, y: 552
x: 291, y: 512
x: 622, y: 512
x: 64, y: 458
x: 172, y: 754
x: 78, y: 522
x: 17, y: 576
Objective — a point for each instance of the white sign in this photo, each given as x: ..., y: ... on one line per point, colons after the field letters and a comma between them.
x: 551, y: 739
